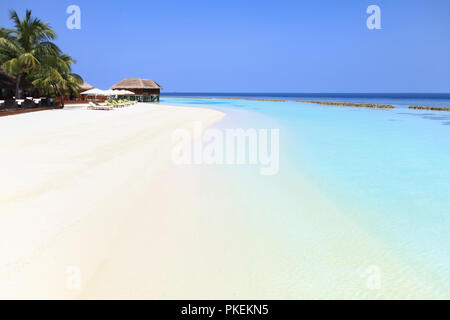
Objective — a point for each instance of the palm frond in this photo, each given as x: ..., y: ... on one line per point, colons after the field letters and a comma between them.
x: 28, y: 50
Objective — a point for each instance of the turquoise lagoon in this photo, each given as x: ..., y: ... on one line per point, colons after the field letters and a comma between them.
x: 388, y: 171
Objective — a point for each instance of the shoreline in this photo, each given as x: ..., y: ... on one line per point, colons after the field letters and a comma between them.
x: 100, y: 196
x: 403, y: 277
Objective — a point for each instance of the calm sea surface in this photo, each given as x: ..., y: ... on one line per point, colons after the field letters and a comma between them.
x: 390, y: 169
x: 398, y: 99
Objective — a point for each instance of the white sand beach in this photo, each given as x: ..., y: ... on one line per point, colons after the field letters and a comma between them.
x: 90, y: 207
x: 69, y: 180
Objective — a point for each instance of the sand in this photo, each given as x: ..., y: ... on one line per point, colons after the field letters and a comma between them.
x: 91, y: 207
x: 69, y: 180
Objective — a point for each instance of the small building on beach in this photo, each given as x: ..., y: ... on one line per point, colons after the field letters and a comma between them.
x: 84, y: 87
x: 145, y: 90
x: 7, y: 85
x: 70, y: 98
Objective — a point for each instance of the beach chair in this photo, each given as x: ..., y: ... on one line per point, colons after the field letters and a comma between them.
x: 45, y: 102
x: 117, y: 104
x: 29, y: 103
x: 111, y: 104
x: 92, y: 106
x: 38, y: 101
x: 124, y: 102
x: 19, y: 103
x: 10, y: 104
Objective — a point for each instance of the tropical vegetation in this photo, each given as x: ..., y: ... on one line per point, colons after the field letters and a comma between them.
x: 27, y: 51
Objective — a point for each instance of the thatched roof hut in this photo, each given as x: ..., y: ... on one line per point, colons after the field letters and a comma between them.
x: 86, y: 86
x: 135, y: 83
x: 144, y: 89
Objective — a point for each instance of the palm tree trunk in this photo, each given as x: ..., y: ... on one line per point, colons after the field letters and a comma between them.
x: 19, y: 77
x: 61, y: 95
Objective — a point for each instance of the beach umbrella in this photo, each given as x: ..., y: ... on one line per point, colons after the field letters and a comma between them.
x: 126, y: 92
x: 93, y: 92
x: 110, y: 92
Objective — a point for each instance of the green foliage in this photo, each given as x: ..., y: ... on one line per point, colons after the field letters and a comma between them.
x: 27, y: 51
x: 54, y: 75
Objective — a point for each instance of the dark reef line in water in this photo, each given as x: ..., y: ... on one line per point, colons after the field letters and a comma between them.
x: 429, y: 108
x: 327, y: 103
x: 348, y: 104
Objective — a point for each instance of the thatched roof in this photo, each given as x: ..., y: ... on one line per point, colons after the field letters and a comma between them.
x: 136, y: 83
x: 86, y: 86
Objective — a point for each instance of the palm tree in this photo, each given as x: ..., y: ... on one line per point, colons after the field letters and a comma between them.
x: 5, y: 33
x: 54, y: 76
x: 23, y: 48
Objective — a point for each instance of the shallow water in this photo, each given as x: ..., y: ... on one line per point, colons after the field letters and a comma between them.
x: 386, y: 170
x: 400, y: 100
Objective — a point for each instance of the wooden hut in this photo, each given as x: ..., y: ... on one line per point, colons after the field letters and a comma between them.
x: 145, y: 90
x: 7, y: 86
x: 84, y: 87
x: 76, y: 98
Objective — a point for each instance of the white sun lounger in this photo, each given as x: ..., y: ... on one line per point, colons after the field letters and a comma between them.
x: 93, y: 106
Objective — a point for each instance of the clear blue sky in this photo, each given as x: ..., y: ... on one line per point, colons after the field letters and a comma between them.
x: 256, y: 46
